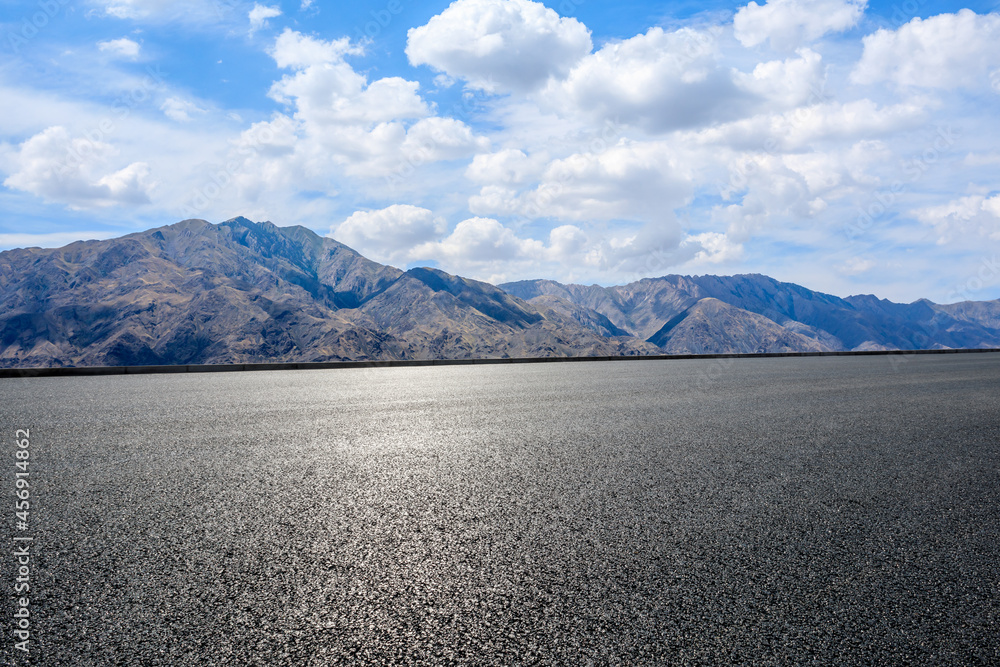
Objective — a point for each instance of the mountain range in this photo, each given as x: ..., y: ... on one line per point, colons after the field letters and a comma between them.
x: 242, y: 292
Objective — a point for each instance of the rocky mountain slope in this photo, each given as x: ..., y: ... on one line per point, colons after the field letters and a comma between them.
x: 242, y: 291
x: 710, y: 325
x: 820, y: 321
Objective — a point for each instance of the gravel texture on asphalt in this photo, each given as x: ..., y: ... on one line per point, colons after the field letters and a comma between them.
x: 833, y: 510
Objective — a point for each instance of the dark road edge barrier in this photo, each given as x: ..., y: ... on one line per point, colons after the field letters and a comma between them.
x: 311, y: 365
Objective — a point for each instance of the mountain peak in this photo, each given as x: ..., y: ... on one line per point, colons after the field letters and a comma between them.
x: 241, y: 220
x: 241, y: 291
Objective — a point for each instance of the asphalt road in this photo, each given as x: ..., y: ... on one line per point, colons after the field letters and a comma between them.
x: 767, y: 511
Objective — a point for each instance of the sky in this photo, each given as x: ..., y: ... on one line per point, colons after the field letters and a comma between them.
x: 846, y: 146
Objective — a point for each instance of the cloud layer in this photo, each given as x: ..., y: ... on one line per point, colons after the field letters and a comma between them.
x: 499, y: 45
x: 503, y: 139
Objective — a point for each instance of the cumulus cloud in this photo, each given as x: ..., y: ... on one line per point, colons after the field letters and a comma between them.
x: 776, y: 189
x: 293, y: 50
x: 436, y: 138
x: 974, y: 216
x: 480, y: 240
x: 382, y: 128
x: 714, y: 248
x: 773, y: 191
x: 260, y: 14
x: 586, y: 161
x: 120, y: 48
x: 486, y: 249
x: 640, y: 252
x: 787, y: 83
x: 825, y: 172
x: 510, y: 166
x: 268, y: 157
x: 658, y: 81
x: 794, y: 188
x: 631, y: 180
x: 73, y: 171
x: 814, y: 124
x: 499, y: 45
x: 789, y: 24
x: 566, y: 243
x: 326, y: 89
x: 946, y: 51
x: 389, y: 234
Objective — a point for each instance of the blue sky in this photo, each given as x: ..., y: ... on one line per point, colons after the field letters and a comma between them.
x: 845, y: 146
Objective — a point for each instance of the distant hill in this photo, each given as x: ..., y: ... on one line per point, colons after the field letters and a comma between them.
x: 711, y: 325
x: 660, y: 310
x: 243, y: 292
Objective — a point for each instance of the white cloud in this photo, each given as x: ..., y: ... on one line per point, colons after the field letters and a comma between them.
x: 478, y: 240
x: 787, y: 83
x: 293, y: 50
x: 443, y: 81
x: 129, y: 185
x: 658, y: 81
x: 588, y: 162
x: 499, y: 45
x: 857, y: 265
x: 121, y: 48
x: 180, y: 110
x: 433, y: 139
x: 76, y: 164
x: 973, y: 217
x: 946, y: 51
x: 714, y: 248
x: 260, y: 14
x: 774, y: 191
x: 789, y: 24
x: 389, y: 234
x: 566, y: 243
x: 486, y: 249
x: 197, y: 12
x: 787, y: 190
x: 631, y: 180
x: 808, y: 126
x: 663, y: 81
x: 346, y: 124
x: 59, y: 168
x: 327, y: 90
x: 992, y: 206
x: 268, y: 157
x: 128, y: 9
x: 639, y: 252
x: 509, y: 166
x: 481, y: 248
